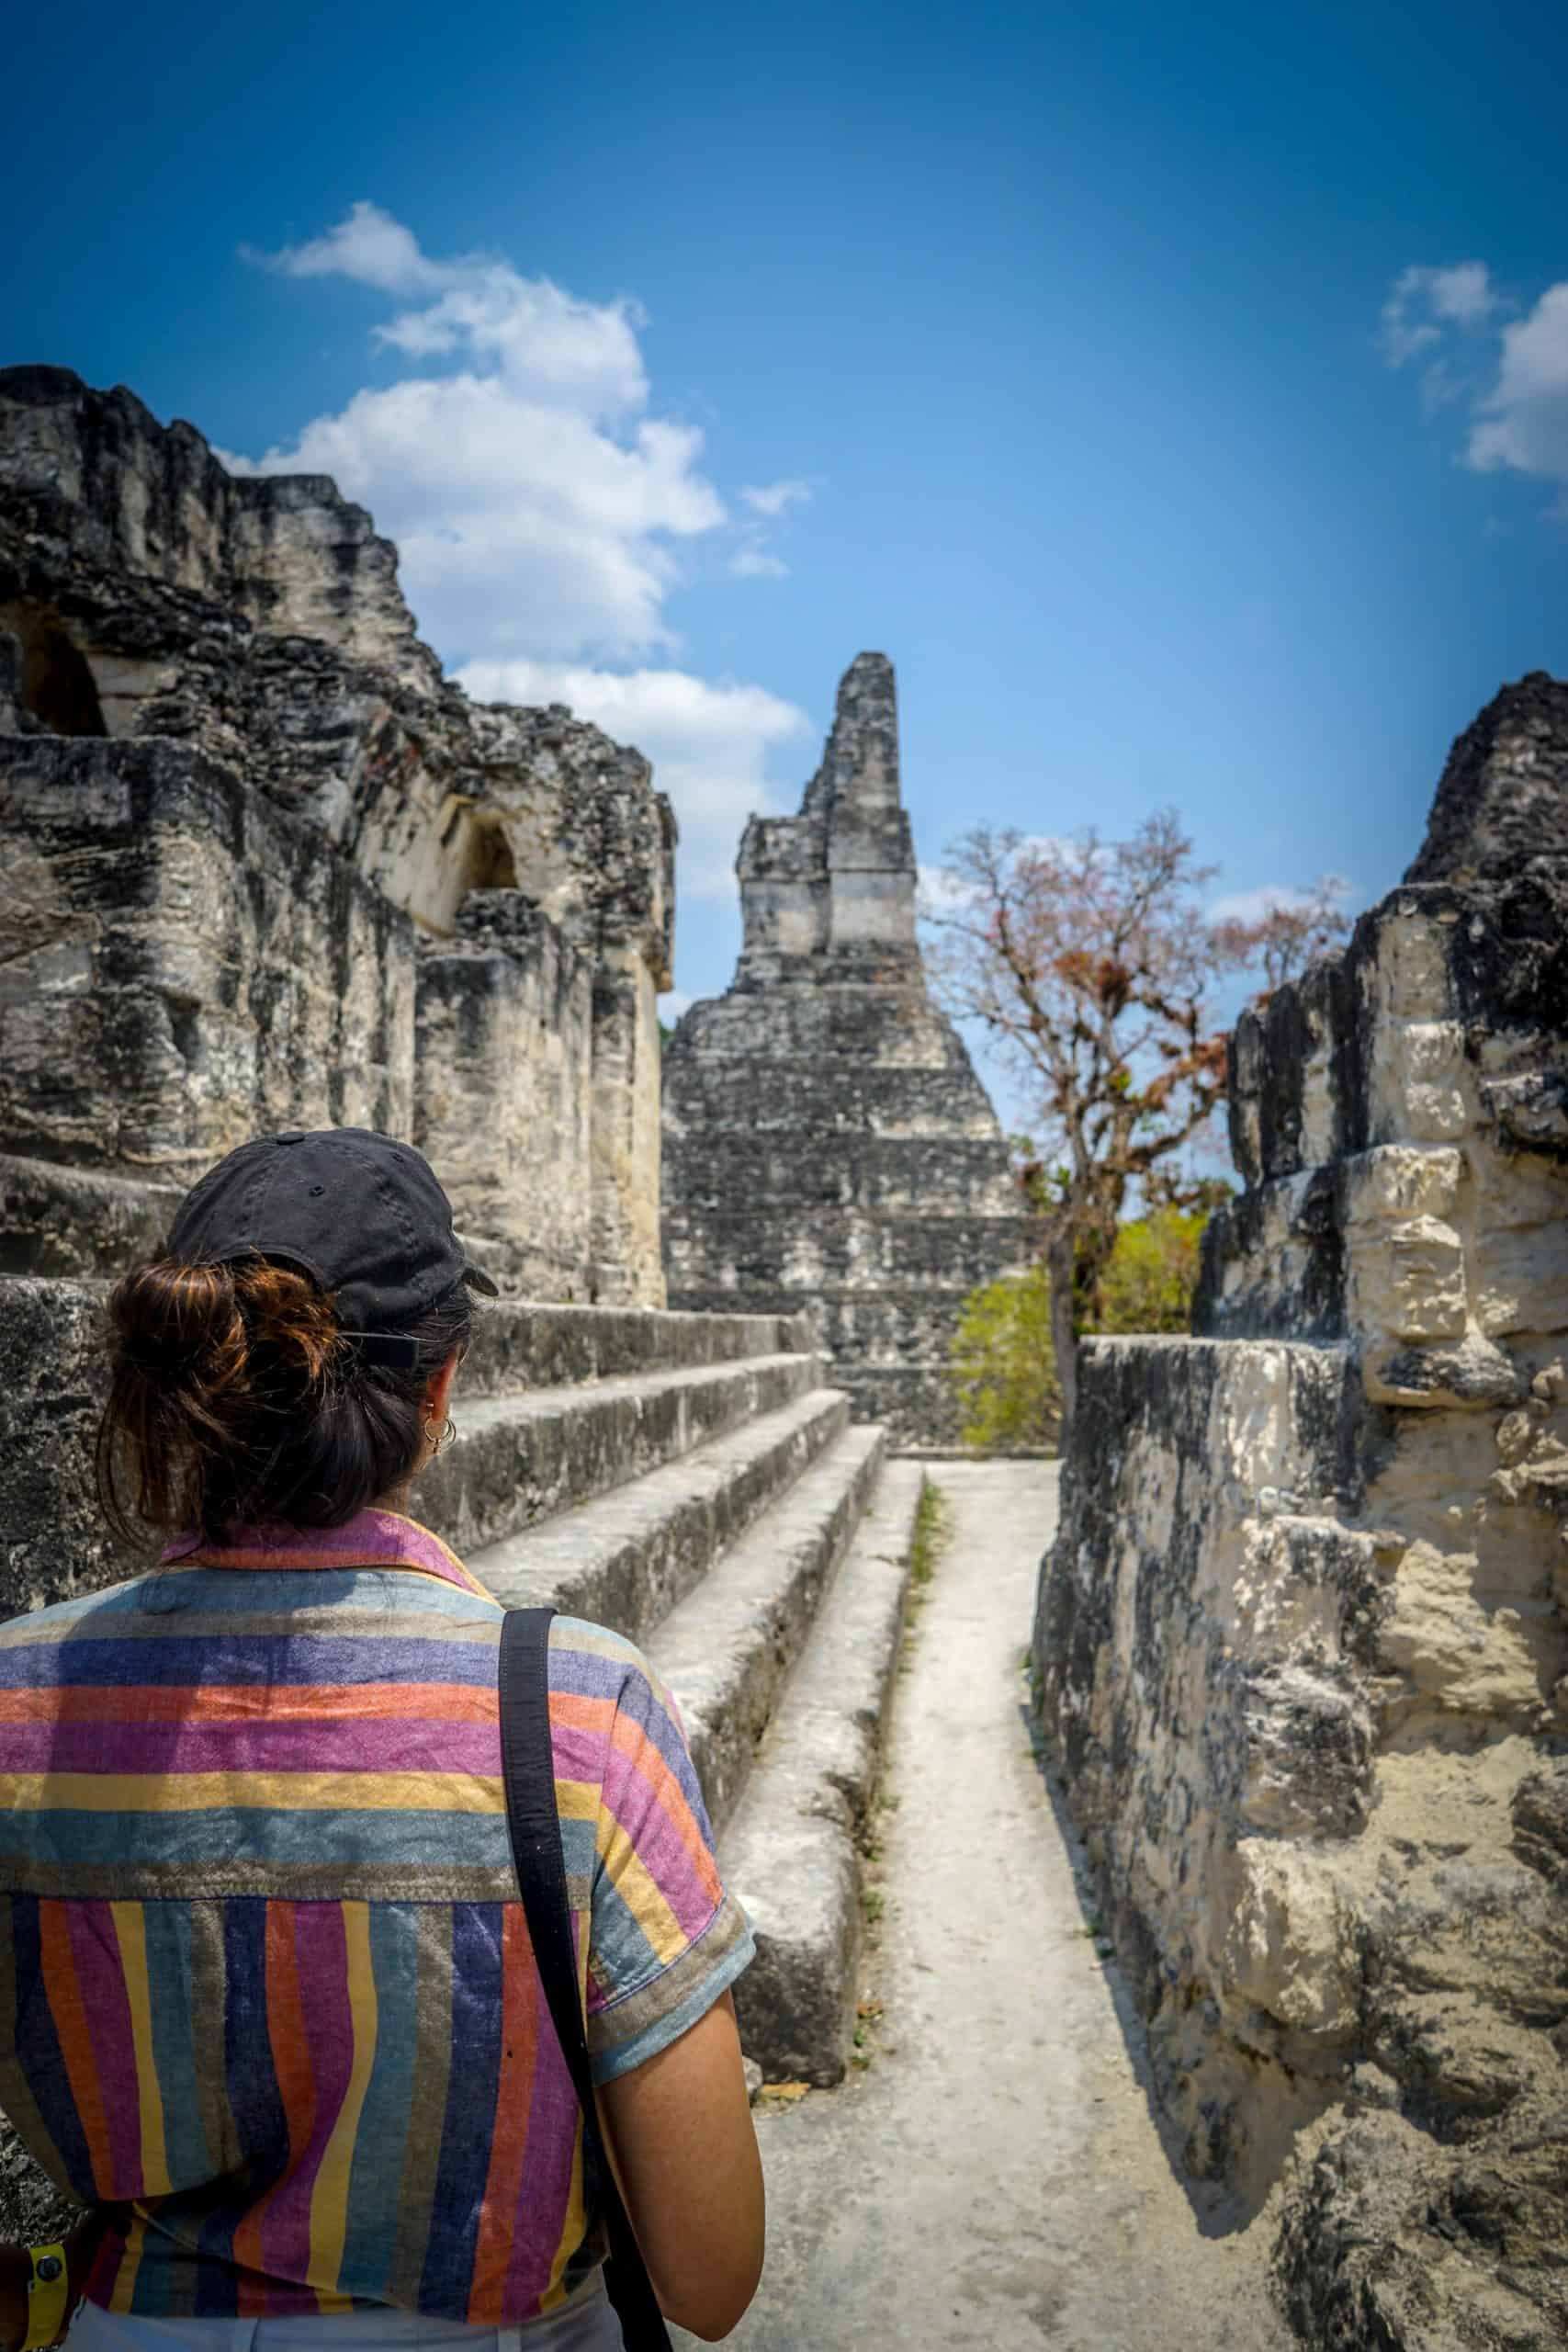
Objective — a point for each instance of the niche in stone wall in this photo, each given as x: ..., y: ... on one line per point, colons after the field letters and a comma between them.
x: 56, y: 684
x: 490, y: 865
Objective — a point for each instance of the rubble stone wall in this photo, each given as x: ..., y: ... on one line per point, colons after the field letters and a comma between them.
x: 1302, y: 1644
x: 180, y: 965
x: 827, y: 1145
x: 278, y: 870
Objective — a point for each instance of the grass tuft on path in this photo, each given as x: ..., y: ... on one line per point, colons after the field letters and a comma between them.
x: 933, y: 1532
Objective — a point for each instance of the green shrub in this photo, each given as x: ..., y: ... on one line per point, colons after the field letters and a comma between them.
x: 1152, y: 1272
x: 1003, y: 1366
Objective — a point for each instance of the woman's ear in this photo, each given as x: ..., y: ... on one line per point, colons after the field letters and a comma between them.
x: 438, y: 1388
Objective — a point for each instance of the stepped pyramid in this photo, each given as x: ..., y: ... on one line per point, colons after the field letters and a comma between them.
x: 827, y: 1143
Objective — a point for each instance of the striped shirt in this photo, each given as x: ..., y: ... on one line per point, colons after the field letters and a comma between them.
x: 267, y: 1987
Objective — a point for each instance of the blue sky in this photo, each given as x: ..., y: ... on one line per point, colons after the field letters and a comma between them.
x: 1181, y: 396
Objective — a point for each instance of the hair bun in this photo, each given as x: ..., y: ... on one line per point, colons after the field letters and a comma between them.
x: 234, y: 1397
x: 287, y: 1316
x: 179, y: 1325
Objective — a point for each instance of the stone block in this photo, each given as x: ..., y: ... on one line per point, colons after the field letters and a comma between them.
x: 504, y: 1068
x: 186, y: 965
x: 1407, y: 1280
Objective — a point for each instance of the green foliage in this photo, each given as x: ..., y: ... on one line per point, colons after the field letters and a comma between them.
x: 1148, y: 1284
x: 1003, y: 1366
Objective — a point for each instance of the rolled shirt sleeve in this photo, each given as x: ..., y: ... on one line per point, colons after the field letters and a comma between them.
x: 666, y: 1940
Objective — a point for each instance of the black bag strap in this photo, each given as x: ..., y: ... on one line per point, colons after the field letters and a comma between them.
x: 527, y: 1763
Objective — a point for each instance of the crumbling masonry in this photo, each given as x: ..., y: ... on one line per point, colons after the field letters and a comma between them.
x: 1301, y: 1641
x: 266, y: 867
x: 826, y: 1144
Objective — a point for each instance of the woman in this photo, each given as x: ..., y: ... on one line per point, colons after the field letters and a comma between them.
x: 267, y: 1999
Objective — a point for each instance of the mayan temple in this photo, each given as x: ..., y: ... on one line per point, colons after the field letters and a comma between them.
x: 827, y: 1143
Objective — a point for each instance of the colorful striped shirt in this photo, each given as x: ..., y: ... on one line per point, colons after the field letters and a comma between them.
x: 267, y: 1989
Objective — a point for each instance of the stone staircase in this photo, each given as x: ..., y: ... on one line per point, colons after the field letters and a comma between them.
x: 688, y: 1479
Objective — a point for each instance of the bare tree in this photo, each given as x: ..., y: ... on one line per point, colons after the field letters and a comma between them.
x: 1093, y: 966
x: 1295, y: 927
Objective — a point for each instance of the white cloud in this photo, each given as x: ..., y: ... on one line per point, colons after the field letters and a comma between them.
x: 538, y: 508
x: 541, y: 507
x: 369, y: 246
x: 772, y: 499
x: 751, y: 561
x: 769, y: 503
x: 939, y: 892
x: 1273, y: 898
x: 1510, y: 372
x: 673, y: 1004
x: 708, y: 743
x: 1423, y: 302
x: 1523, y: 420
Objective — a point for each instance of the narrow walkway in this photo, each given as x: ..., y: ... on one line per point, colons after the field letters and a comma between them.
x: 994, y: 2179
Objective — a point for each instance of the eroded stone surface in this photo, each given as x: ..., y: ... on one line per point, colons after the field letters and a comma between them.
x: 827, y: 1144
x: 236, y: 791
x: 1302, y: 1644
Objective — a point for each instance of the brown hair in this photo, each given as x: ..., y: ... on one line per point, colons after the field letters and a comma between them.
x: 235, y: 1399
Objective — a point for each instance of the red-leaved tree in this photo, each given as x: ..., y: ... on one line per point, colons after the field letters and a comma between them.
x: 1093, y: 967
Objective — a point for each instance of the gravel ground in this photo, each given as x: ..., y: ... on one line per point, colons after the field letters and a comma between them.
x: 994, y: 2177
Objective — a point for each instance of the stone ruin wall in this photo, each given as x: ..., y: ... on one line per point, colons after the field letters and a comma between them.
x: 1302, y: 1643
x: 267, y: 867
x: 827, y: 1143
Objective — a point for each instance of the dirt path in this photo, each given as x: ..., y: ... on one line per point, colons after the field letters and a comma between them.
x: 994, y: 2177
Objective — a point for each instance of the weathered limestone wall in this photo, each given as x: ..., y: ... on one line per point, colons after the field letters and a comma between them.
x: 508, y: 992
x: 180, y: 965
x: 251, y: 816
x: 827, y: 1145
x: 1302, y: 1645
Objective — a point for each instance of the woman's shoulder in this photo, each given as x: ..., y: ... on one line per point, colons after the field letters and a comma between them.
x: 588, y: 1661
x: 588, y: 1656
x: 62, y: 1618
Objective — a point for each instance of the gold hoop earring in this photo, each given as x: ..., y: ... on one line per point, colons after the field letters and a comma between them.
x: 449, y: 1433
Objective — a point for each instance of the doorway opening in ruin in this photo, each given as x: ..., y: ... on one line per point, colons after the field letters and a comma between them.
x: 492, y: 866
x: 57, y: 686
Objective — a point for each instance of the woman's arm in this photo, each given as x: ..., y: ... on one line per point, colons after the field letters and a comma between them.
x: 681, y: 2138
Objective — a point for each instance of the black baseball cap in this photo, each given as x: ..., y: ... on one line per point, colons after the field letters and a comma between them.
x: 361, y: 1213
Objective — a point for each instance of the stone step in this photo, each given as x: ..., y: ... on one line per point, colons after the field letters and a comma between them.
x: 890, y: 1174
x: 815, y: 1093
x: 526, y: 1343
x: 56, y: 1220
x: 519, y: 1459
x: 727, y: 1650
x: 859, y: 1247
x: 627, y: 1558
x: 793, y: 1853
x: 85, y: 1224
x: 863, y: 1022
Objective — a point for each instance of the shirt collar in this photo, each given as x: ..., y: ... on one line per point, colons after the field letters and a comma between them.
x: 372, y: 1539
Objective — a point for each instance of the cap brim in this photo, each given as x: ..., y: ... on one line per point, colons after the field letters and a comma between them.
x: 477, y: 1279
